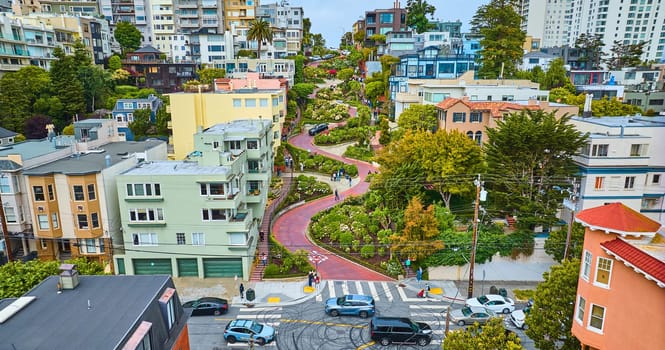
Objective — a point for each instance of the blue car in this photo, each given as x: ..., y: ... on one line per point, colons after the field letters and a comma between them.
x: 244, y: 330
x: 352, y: 304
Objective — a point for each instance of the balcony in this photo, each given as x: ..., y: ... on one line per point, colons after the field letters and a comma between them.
x: 230, y: 201
x: 187, y: 4
x: 240, y: 222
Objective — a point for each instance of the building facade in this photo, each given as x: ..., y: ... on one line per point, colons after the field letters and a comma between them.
x: 287, y: 25
x: 623, y: 162
x: 232, y: 99
x: 123, y: 112
x: 151, y: 71
x: 199, y: 217
x: 266, y: 68
x: 622, y: 273
x: 383, y: 21
x: 474, y: 117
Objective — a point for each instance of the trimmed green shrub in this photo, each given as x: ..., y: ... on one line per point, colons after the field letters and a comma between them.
x: 367, y: 251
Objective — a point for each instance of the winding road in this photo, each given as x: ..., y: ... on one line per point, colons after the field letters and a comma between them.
x: 290, y: 228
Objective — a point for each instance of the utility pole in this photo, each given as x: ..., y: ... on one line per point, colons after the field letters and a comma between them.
x: 480, y: 195
x: 570, y: 204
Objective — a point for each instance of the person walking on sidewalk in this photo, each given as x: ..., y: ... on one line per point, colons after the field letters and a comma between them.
x: 336, y: 195
x: 264, y: 259
x: 242, y: 291
x: 427, y: 290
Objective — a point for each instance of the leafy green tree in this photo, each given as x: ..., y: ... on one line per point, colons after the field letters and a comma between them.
x: 35, y: 127
x: 359, y: 37
x: 555, y: 245
x: 208, y: 75
x: 491, y: 336
x: 127, y: 36
x: 625, y: 55
x: 260, y: 31
x: 420, y: 236
x: 561, y: 95
x: 551, y: 316
x: 302, y: 91
x: 373, y: 90
x: 299, y: 75
x: 68, y: 130
x: 120, y: 76
x: 115, y: 63
x: 378, y: 38
x: 306, y: 33
x: 96, y: 85
x: 246, y: 53
x: 556, y: 77
x: 162, y: 119
x: 534, y: 151
x: 416, y: 15
x: 345, y: 74
x: 141, y: 123
x: 66, y: 86
x: 18, y: 93
x: 502, y: 38
x: 347, y: 40
x: 418, y: 118
x: 590, y: 48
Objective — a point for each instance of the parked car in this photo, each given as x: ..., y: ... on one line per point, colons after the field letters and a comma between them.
x: 328, y: 56
x: 470, y: 315
x: 244, y: 330
x: 518, y: 317
x: 317, y: 129
x: 352, y: 304
x: 207, y: 306
x: 387, y: 330
x: 493, y: 302
x: 315, y: 58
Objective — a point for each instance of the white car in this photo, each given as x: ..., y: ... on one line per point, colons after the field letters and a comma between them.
x: 518, y: 317
x: 493, y: 302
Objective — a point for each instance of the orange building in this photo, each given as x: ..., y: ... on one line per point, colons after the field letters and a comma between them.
x: 621, y: 290
x: 471, y: 117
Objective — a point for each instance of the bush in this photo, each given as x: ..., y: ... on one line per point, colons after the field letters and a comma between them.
x: 367, y: 251
x: 271, y: 270
x: 360, y: 153
x: 319, y: 163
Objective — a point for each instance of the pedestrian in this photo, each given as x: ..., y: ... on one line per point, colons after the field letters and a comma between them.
x: 332, y: 177
x: 336, y: 195
x: 350, y: 181
x: 261, y: 236
x: 302, y: 167
x: 427, y: 290
x: 407, y: 263
x: 317, y: 280
x: 419, y: 274
x: 310, y: 278
x: 264, y: 258
x: 242, y: 291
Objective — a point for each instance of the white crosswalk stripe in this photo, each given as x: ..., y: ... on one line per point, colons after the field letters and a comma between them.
x: 331, y: 289
x: 260, y: 309
x: 260, y: 316
x: 386, y: 290
x: 359, y: 288
x: 372, y: 290
x: 345, y: 288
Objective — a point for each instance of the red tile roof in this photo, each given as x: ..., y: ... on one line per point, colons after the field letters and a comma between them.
x: 617, y: 218
x: 495, y: 108
x: 628, y: 253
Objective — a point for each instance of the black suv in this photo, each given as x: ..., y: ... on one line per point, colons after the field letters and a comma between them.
x: 386, y: 330
x: 317, y: 129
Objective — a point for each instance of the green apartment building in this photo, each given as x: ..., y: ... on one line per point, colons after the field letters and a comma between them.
x: 200, y: 216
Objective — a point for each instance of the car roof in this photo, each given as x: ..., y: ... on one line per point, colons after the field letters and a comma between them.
x: 390, y: 321
x: 242, y: 323
x: 478, y: 309
x: 495, y: 297
x: 358, y: 297
x: 211, y: 299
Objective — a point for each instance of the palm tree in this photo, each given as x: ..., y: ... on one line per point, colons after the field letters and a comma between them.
x: 259, y: 30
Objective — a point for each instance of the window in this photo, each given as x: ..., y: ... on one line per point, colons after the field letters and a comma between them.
x: 10, y: 215
x: 51, y: 195
x: 4, y: 185
x: 198, y: 238
x: 237, y: 103
x: 82, y: 220
x: 180, y: 238
x: 252, y: 144
x: 43, y: 244
x: 263, y: 102
x: 629, y: 183
x: 655, y: 179
x: 144, y: 190
x: 146, y: 215
x: 212, y: 189
x: 43, y: 222
x: 78, y: 193
x: 478, y: 137
x: 603, y: 271
x: 581, y: 304
x: 214, y: 214
x: 599, y: 150
x: 144, y: 238
x: 599, y: 182
x: 386, y: 18
x: 507, y: 98
x: 250, y: 102
x: 237, y: 238
x: 235, y: 145
x: 596, y: 318
x: 90, y: 246
x: 94, y: 218
x: 101, y: 245
x: 91, y: 192
x: 54, y: 220
x: 636, y: 150
x: 275, y: 102
x: 459, y: 117
x: 586, y: 265
x: 476, y: 117
x: 38, y: 192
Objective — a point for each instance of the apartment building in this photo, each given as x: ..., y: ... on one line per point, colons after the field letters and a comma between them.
x: 232, y: 99
x: 73, y: 200
x: 203, y: 46
x: 623, y: 162
x: 23, y: 44
x: 267, y: 68
x: 123, y: 112
x: 198, y: 217
x: 136, y: 12
x: 164, y: 24
x: 70, y: 311
x: 406, y: 91
x: 239, y: 14
x: 622, y: 278
x: 287, y: 25
x: 474, y: 117
x: 152, y: 71
x: 383, y: 21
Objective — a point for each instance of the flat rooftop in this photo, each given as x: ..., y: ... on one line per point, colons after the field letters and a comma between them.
x: 176, y: 168
x: 628, y: 121
x: 35, y: 148
x: 239, y: 127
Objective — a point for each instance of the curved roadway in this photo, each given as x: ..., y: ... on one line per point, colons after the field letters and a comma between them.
x: 289, y: 229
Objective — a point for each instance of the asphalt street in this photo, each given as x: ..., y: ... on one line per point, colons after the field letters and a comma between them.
x: 306, y: 326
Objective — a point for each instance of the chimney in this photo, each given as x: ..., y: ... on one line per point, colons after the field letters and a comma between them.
x: 69, y: 277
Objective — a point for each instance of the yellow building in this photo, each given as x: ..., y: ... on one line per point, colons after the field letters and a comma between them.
x: 239, y: 14
x: 246, y: 99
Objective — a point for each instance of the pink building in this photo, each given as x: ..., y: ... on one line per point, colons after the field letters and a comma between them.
x: 621, y: 291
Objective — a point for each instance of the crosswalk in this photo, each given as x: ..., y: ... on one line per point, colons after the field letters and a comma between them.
x: 380, y: 291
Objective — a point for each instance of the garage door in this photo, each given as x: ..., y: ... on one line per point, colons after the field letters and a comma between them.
x: 188, y: 267
x: 222, y: 267
x: 152, y: 267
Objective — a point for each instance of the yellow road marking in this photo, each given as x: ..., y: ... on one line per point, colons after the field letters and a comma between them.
x: 436, y: 290
x: 273, y: 299
x: 331, y: 324
x: 308, y: 289
x: 366, y: 345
